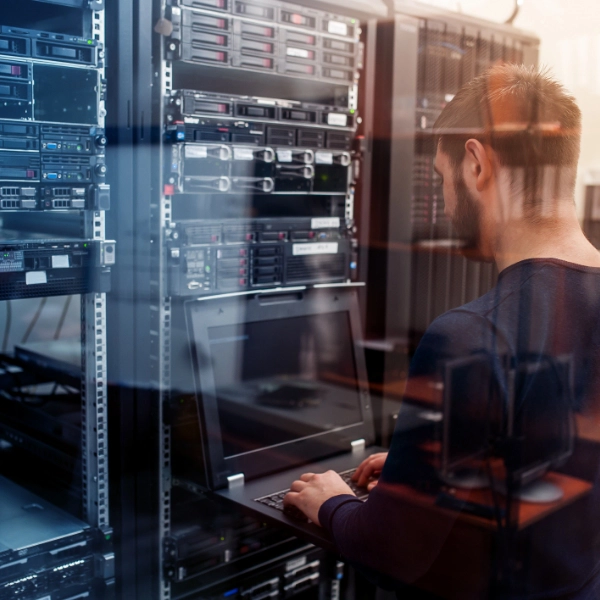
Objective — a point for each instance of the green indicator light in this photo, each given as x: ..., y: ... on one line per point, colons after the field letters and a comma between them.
x: 222, y: 539
x: 207, y: 269
x: 107, y: 537
x: 85, y: 245
x: 352, y: 111
x: 353, y: 21
x: 90, y: 42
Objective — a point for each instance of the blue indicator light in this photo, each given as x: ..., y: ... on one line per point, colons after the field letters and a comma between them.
x: 180, y: 135
x: 339, y: 576
x: 230, y: 593
x: 353, y: 265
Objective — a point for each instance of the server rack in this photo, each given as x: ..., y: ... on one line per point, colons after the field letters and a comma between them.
x: 54, y: 194
x: 414, y: 253
x: 303, y: 121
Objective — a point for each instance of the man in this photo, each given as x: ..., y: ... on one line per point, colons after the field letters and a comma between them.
x: 507, y: 152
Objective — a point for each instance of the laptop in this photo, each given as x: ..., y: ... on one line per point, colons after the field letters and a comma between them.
x: 281, y: 385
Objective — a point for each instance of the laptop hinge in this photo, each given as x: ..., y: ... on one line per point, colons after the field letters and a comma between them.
x: 358, y: 445
x: 236, y: 480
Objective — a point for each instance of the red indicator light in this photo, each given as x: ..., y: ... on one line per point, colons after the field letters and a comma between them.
x: 15, y: 70
x: 214, y: 238
x: 249, y: 237
x: 243, y: 252
x: 221, y: 40
x: 269, y: 32
x: 311, y: 234
x: 223, y: 108
x: 30, y: 174
x: 223, y: 129
x: 266, y: 62
x: 244, y: 549
x: 169, y: 190
x: 311, y: 40
x: 221, y: 23
x: 242, y: 261
x: 281, y: 236
x: 221, y: 3
x: 242, y: 271
x: 297, y: 19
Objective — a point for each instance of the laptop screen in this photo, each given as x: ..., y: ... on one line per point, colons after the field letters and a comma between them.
x: 283, y: 380
x: 280, y: 380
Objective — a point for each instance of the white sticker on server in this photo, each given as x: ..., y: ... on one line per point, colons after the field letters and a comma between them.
x: 284, y: 155
x: 243, y: 154
x: 297, y: 52
x: 325, y: 223
x: 321, y: 248
x: 337, y: 28
x: 60, y: 261
x: 337, y: 119
x: 33, y: 277
x: 196, y: 151
x: 323, y: 158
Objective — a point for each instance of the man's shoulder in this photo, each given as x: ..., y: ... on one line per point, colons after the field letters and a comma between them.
x: 481, y: 312
x: 457, y: 333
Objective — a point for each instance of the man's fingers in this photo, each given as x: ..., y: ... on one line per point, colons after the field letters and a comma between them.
x: 369, y: 470
x: 371, y: 467
x: 363, y: 465
x: 291, y: 498
x: 371, y: 485
x: 307, y: 476
x: 298, y: 486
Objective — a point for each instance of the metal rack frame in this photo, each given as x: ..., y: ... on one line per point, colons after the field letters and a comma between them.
x: 94, y: 364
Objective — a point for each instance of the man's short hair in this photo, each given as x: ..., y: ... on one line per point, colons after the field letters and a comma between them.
x: 528, y: 118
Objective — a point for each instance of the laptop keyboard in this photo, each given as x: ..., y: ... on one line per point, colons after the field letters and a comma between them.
x: 276, y: 500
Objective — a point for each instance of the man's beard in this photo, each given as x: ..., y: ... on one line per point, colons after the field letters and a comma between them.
x: 465, y: 219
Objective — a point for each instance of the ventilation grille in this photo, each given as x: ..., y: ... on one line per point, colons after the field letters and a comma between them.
x: 315, y: 268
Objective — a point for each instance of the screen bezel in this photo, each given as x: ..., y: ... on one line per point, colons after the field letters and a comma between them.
x: 205, y: 314
x: 449, y: 465
x: 528, y: 472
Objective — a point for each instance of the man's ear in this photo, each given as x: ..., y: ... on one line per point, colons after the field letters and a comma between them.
x: 477, y: 164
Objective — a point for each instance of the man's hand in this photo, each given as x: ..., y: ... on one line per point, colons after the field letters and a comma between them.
x: 310, y: 491
x: 369, y: 469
